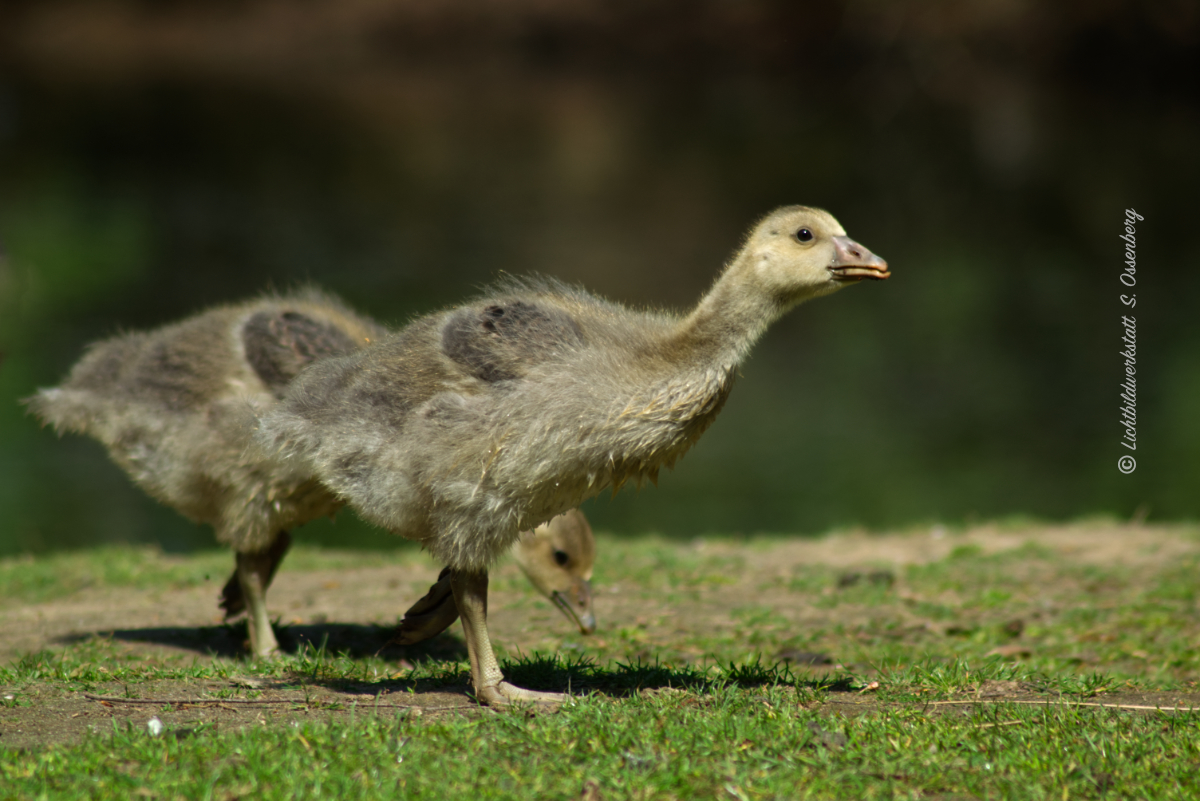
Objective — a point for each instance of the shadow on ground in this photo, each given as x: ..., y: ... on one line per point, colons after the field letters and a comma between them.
x: 230, y: 641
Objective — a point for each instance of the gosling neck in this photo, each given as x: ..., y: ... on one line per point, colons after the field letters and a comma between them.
x: 734, y: 314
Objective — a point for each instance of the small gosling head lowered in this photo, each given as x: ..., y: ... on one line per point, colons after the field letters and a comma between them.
x: 557, y: 557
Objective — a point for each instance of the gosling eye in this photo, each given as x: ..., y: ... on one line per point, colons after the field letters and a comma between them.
x: 561, y: 558
x: 804, y: 235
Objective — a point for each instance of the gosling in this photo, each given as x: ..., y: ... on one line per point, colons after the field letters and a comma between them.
x: 473, y: 424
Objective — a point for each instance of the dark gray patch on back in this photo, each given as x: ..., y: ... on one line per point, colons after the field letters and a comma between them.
x: 498, y: 341
x: 280, y: 344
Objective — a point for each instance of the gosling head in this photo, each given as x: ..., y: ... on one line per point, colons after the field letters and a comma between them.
x: 796, y: 253
x: 557, y: 557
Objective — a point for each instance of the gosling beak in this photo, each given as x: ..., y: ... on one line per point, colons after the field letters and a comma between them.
x: 576, y: 604
x: 853, y: 262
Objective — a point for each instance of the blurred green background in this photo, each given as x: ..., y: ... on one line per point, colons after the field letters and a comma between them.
x: 159, y: 157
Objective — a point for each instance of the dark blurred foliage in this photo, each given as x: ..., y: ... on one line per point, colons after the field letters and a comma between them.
x: 157, y: 157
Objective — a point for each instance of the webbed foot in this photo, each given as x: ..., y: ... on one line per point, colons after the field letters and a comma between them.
x: 505, y: 694
x: 429, y: 616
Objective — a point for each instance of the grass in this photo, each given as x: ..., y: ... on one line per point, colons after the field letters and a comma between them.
x: 922, y: 703
x: 731, y: 742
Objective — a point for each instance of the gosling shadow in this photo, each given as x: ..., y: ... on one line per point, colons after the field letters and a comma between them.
x: 580, y: 675
x: 231, y: 641
x: 359, y: 641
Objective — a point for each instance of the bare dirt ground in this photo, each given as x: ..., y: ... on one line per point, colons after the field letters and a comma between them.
x: 353, y: 610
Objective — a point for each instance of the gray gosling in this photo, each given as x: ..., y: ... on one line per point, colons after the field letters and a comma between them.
x: 176, y: 408
x: 478, y: 422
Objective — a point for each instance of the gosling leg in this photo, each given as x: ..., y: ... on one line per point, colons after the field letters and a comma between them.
x: 470, y: 596
x: 254, y: 574
x: 431, y: 615
x: 232, y: 599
